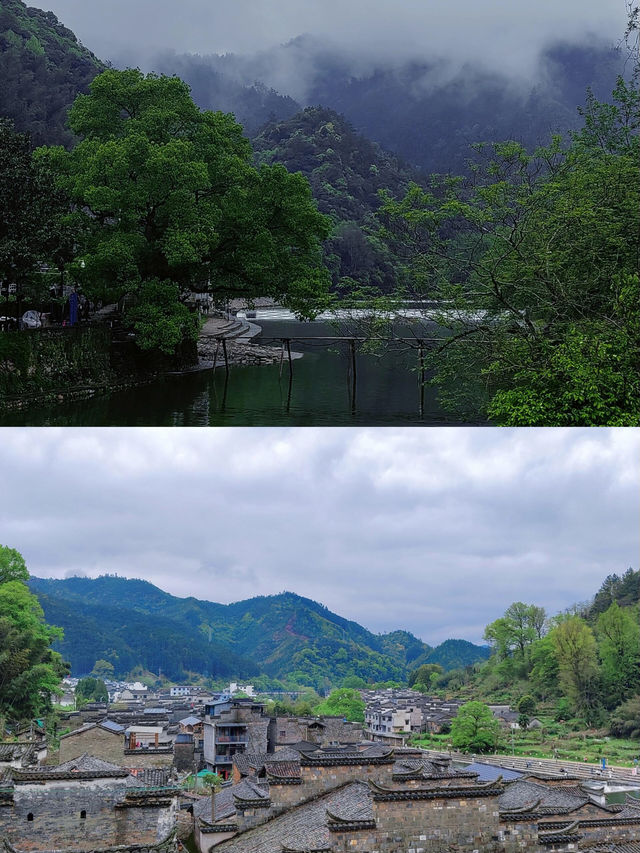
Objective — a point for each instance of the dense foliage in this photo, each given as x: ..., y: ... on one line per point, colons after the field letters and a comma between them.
x: 91, y: 690
x: 30, y: 216
x: 343, y: 702
x: 585, y: 661
x: 165, y: 200
x: 30, y: 672
x: 534, y: 260
x: 126, y: 622
x: 474, y: 728
x: 346, y: 173
x: 42, y: 68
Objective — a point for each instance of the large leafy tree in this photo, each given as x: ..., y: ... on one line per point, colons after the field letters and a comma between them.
x: 30, y: 672
x: 534, y: 258
x: 618, y: 637
x: 343, y: 702
x: 578, y: 672
x: 166, y: 199
x: 474, y: 728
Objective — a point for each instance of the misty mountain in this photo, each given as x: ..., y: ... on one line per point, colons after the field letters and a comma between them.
x: 132, y: 622
x: 42, y: 67
x: 253, y: 104
x: 427, y: 112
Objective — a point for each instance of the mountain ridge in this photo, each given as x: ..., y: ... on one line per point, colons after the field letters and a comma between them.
x: 132, y: 622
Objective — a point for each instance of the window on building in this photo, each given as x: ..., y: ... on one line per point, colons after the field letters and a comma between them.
x: 283, y: 733
x: 30, y: 816
x: 83, y: 814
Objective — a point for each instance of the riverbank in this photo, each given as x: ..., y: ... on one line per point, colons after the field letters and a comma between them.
x: 241, y: 351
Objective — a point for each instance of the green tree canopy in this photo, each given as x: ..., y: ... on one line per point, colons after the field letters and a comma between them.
x: 576, y: 651
x: 102, y: 669
x: 474, y: 728
x: 534, y: 257
x: 424, y: 674
x: 618, y: 635
x: 91, y: 690
x: 165, y: 197
x: 343, y: 702
x: 514, y: 632
x: 30, y: 672
x: 12, y: 566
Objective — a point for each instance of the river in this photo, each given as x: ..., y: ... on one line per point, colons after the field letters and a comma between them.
x: 319, y: 393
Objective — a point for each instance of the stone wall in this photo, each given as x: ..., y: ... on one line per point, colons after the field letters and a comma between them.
x: 432, y: 825
x: 77, y: 815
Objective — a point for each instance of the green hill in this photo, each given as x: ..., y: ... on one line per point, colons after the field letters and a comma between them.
x: 132, y: 622
x: 346, y: 172
x: 42, y: 67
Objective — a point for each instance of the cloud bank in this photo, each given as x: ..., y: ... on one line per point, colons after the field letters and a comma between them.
x: 501, y: 37
x: 435, y: 531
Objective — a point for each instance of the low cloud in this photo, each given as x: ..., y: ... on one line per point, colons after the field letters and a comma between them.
x: 435, y: 531
x: 496, y: 37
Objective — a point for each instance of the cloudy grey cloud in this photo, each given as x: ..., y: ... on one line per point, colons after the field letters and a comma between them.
x: 505, y: 37
x: 434, y: 531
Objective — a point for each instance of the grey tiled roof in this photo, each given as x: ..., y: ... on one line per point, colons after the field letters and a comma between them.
x: 86, y: 763
x: 249, y: 763
x: 304, y: 827
x: 225, y: 803
x: 550, y: 800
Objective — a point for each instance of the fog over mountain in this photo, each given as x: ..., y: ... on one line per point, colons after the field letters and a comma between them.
x: 491, y: 35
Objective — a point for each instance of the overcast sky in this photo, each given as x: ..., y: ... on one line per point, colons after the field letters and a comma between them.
x: 432, y: 530
x: 506, y: 36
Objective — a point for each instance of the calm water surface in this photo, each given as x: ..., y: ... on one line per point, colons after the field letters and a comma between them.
x: 318, y: 393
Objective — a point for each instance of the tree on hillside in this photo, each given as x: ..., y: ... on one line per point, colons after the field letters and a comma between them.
x: 578, y: 664
x: 534, y: 257
x: 618, y: 635
x: 343, y: 702
x: 513, y: 634
x: 166, y: 200
x: 474, y: 728
x: 425, y: 675
x: 12, y: 566
x: 103, y: 669
x: 30, y: 672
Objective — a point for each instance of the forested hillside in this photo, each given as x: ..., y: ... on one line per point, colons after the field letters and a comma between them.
x: 42, y: 68
x: 583, y: 662
x: 346, y: 172
x: 132, y: 622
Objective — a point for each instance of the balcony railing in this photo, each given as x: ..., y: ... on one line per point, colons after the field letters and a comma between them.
x: 231, y: 738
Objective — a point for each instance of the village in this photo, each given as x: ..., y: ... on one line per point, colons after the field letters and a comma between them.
x: 188, y: 769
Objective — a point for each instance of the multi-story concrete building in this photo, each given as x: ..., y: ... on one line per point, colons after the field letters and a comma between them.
x: 232, y: 726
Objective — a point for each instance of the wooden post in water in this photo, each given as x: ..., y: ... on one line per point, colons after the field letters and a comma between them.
x: 352, y: 346
x: 421, y: 380
x: 281, y: 358
x: 288, y: 342
x: 226, y: 360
